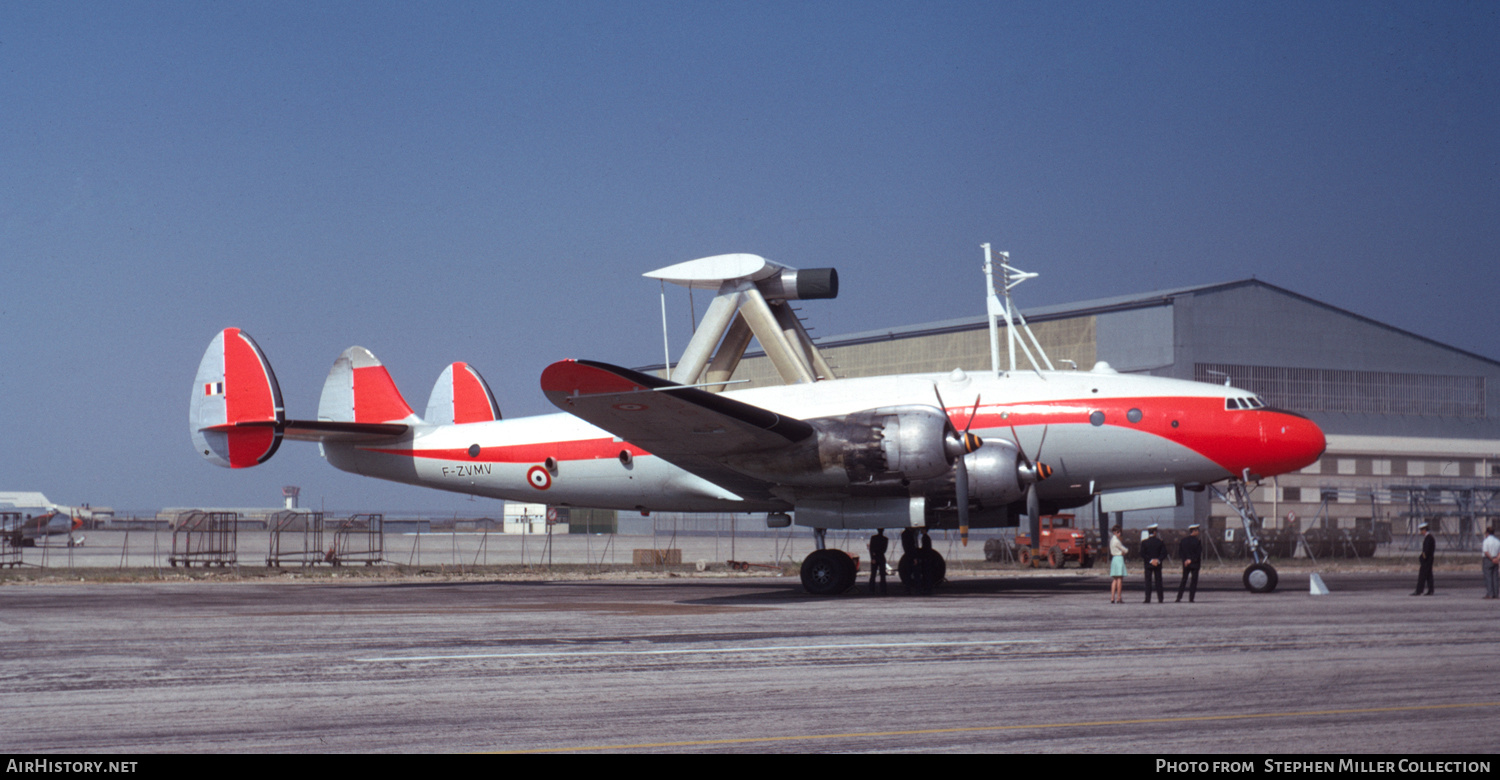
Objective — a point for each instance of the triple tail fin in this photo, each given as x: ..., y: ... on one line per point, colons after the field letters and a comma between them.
x: 461, y: 396
x: 235, y: 415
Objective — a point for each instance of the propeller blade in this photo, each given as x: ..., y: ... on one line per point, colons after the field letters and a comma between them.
x: 963, y: 500
x: 1034, y: 511
x: 1017, y: 439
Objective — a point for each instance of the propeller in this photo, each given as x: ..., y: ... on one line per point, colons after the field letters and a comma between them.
x: 956, y: 447
x: 1033, y: 472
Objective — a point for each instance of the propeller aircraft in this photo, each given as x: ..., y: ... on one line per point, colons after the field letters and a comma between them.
x: 825, y: 453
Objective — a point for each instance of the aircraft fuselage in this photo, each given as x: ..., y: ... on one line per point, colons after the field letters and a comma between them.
x: 1100, y: 431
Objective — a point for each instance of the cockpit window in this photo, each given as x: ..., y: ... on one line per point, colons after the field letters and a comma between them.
x: 1251, y: 402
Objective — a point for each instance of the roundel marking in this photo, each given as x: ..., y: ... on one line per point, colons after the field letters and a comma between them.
x: 631, y: 407
x: 539, y: 478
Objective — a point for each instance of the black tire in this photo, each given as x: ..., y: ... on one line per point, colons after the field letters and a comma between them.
x: 827, y: 572
x: 1024, y: 556
x: 1260, y: 578
x: 1056, y: 558
x: 927, y: 570
x: 1086, y: 562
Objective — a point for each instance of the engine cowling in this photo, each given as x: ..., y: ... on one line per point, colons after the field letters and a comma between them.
x: 995, y: 473
x: 889, y: 446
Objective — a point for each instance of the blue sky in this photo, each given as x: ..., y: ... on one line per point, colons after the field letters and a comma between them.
x: 488, y: 181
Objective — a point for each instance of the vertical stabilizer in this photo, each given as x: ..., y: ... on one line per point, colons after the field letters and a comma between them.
x: 235, y: 415
x: 359, y: 389
x: 461, y: 396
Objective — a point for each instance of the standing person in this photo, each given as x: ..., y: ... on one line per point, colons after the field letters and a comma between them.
x: 908, y: 540
x: 1153, y: 552
x: 1424, y: 562
x: 1491, y: 563
x: 1190, y: 551
x: 878, y: 545
x: 1117, y: 551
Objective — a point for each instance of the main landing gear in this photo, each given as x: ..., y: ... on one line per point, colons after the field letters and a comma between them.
x: 922, y: 570
x: 1260, y: 576
x: 828, y: 572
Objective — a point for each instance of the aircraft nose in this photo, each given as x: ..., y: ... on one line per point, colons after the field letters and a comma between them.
x: 1293, y: 442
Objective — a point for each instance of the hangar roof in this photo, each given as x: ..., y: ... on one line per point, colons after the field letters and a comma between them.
x: 1105, y: 305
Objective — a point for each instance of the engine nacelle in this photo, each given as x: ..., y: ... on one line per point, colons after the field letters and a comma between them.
x: 889, y: 446
x: 995, y: 473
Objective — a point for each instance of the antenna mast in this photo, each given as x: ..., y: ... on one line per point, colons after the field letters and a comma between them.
x: 996, y: 309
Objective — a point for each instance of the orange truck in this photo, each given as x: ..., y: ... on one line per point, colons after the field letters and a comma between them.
x: 1060, y: 543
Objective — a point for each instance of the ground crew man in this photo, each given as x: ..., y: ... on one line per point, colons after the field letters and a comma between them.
x: 1424, y: 562
x: 878, y: 545
x: 1190, y: 551
x: 1153, y: 552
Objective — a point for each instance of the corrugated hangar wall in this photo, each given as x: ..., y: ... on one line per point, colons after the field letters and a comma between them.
x: 1399, y: 409
x: 1063, y: 339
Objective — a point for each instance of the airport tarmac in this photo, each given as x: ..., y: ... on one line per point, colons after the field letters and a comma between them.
x: 1024, y: 663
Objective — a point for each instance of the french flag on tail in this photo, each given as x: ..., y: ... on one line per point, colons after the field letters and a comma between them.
x: 236, y: 412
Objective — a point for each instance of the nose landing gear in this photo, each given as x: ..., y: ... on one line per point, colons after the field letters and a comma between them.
x: 1260, y: 576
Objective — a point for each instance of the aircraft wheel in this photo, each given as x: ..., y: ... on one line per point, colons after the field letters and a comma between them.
x: 922, y: 570
x: 1056, y: 558
x: 827, y: 572
x: 1260, y: 578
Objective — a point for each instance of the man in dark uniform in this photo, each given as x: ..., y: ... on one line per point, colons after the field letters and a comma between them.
x: 1424, y: 562
x: 878, y: 545
x: 1153, y: 552
x: 1190, y: 552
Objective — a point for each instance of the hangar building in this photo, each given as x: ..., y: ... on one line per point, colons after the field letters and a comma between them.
x: 1413, y: 425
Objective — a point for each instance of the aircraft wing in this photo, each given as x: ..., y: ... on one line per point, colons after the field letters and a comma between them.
x: 685, y: 426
